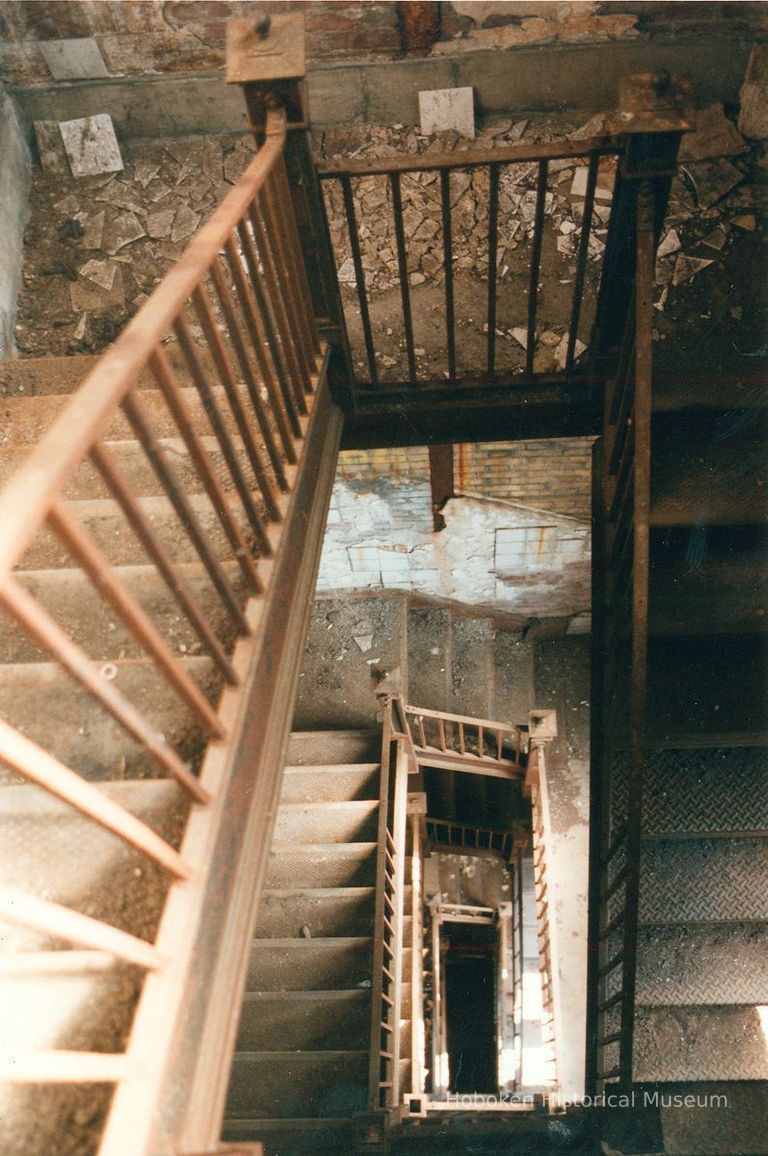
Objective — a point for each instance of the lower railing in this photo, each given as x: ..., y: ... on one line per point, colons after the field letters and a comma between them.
x: 536, y: 787
x: 455, y: 742
x: 230, y: 343
x: 388, y: 943
x: 442, y: 833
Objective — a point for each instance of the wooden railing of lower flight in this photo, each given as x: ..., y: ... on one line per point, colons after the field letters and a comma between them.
x: 537, y: 789
x: 457, y: 742
x: 229, y: 337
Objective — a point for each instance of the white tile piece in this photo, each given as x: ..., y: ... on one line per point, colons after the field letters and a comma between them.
x: 76, y: 59
x: 91, y: 145
x: 670, y: 244
x: 442, y: 109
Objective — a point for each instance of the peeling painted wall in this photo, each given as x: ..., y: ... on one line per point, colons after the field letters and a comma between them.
x: 495, y: 554
x: 14, y: 198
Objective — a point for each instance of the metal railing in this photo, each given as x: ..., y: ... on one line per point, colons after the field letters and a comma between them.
x: 444, y: 833
x: 461, y: 742
x: 229, y: 341
x: 493, y: 170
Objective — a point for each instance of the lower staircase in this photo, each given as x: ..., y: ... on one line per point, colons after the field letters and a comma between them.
x: 300, y: 1074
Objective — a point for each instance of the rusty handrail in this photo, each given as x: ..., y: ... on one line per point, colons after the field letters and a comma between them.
x: 39, y: 480
x: 456, y: 735
x: 536, y: 784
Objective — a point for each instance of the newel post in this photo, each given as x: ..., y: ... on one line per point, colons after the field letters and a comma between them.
x: 265, y: 55
x: 654, y: 112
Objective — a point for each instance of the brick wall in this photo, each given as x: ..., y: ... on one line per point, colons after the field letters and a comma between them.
x: 138, y: 37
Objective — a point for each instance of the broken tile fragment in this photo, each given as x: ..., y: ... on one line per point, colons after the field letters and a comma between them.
x: 688, y: 267
x: 747, y: 222
x: 102, y: 273
x: 716, y: 239
x: 561, y: 353
x: 88, y: 297
x: 78, y: 58
x: 91, y: 145
x: 145, y: 171
x: 670, y: 243
x: 184, y: 224
x: 94, y: 231
x: 121, y: 232
x: 520, y: 335
x: 159, y: 223
x: 444, y: 109
x: 715, y: 136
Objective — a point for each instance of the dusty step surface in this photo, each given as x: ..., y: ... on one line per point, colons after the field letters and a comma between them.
x: 700, y: 1043
x: 70, y: 598
x: 336, y: 686
x: 305, y: 1021
x: 323, y: 911
x: 292, y: 1084
x: 36, y: 376
x: 134, y: 466
x: 327, y: 747
x: 472, y: 666
x: 50, y: 850
x: 725, y: 1119
x: 704, y: 880
x: 337, y: 822
x: 345, y: 783
x: 429, y: 657
x: 303, y: 964
x: 329, y: 1135
x: 42, y: 701
x: 706, y: 790
x: 322, y: 865
x: 703, y: 964
x: 105, y: 522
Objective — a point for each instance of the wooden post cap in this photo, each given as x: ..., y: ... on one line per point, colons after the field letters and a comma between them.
x: 265, y: 48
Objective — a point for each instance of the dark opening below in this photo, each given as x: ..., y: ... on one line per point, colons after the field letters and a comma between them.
x: 470, y: 1006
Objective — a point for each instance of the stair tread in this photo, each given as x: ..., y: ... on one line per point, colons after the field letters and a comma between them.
x: 336, y: 993
x: 699, y: 1042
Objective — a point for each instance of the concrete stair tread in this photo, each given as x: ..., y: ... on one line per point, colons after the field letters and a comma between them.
x: 46, y: 704
x: 336, y: 746
x: 718, y: 1043
x: 48, y: 849
x: 69, y: 597
x: 702, y: 964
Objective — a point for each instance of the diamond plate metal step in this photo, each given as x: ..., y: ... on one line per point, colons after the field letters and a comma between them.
x: 336, y: 822
x: 305, y: 1020
x: 716, y: 789
x: 325, y: 912
x: 703, y: 964
x: 704, y: 880
x: 309, y: 1084
x: 333, y: 747
x: 317, y: 963
x: 330, y: 783
x: 322, y: 865
x: 699, y: 1043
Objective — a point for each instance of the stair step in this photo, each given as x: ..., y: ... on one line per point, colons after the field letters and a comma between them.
x: 429, y: 657
x: 325, y: 784
x: 322, y: 865
x: 724, y: 1119
x: 70, y: 598
x: 66, y: 1011
x: 704, y: 880
x: 336, y: 687
x: 712, y: 789
x: 703, y: 964
x: 50, y: 850
x: 305, y: 1021
x: 699, y: 1043
x: 704, y: 474
x: 297, y: 964
x: 86, y: 481
x: 345, y: 822
x: 325, y: 911
x: 103, y: 519
x: 330, y: 1135
x: 291, y: 1084
x: 333, y: 747
x: 472, y: 666
x: 26, y: 419
x: 36, y: 376
x: 42, y: 701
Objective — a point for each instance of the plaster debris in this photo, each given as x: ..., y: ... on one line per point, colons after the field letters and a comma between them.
x: 184, y: 224
x: 122, y: 231
x: 747, y: 222
x: 91, y: 145
x: 561, y: 352
x: 445, y: 109
x: 102, y: 273
x: 670, y: 244
x: 93, y: 230
x: 346, y: 272
x: 50, y: 146
x: 520, y: 335
x: 688, y: 267
x: 364, y: 642
x: 159, y: 223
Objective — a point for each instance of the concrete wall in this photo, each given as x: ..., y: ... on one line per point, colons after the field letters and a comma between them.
x: 14, y: 196
x: 561, y: 678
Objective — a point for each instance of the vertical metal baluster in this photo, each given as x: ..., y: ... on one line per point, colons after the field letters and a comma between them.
x: 362, y: 295
x: 300, y: 271
x: 450, y: 308
x: 493, y: 246
x: 273, y: 216
x: 533, y: 285
x: 581, y: 261
x: 402, y: 266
